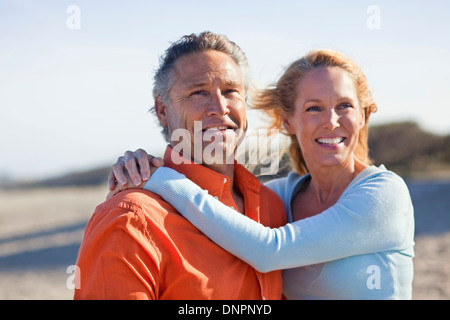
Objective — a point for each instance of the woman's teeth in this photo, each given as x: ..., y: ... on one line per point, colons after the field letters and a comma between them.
x: 330, y: 141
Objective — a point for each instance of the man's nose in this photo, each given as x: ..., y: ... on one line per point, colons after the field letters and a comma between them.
x: 218, y: 105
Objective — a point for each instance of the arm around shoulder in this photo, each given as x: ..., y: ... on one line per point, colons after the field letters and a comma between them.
x: 374, y: 214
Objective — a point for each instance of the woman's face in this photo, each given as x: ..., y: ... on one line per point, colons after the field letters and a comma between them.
x: 327, y: 118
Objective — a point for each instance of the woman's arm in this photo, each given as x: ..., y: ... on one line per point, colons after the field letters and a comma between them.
x: 372, y: 216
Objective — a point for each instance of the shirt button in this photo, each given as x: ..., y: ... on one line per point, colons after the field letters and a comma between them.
x: 216, y: 197
x: 264, y: 298
x: 225, y: 180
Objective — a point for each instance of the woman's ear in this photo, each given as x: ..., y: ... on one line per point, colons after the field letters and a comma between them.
x: 287, y: 124
x: 362, y: 121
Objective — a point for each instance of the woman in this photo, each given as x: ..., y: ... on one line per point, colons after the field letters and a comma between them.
x: 350, y: 224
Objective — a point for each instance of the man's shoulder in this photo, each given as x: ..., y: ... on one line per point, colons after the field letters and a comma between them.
x: 132, y: 199
x: 136, y: 204
x: 122, y: 229
x: 135, y: 195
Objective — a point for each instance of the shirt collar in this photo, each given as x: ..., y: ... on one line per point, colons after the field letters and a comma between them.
x: 209, y: 179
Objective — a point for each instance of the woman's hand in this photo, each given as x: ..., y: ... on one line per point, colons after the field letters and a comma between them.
x: 131, y: 171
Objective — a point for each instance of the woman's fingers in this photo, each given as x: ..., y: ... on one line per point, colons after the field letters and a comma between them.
x: 119, y: 173
x: 131, y: 170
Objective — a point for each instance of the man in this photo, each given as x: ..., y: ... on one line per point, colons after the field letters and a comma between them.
x: 136, y: 246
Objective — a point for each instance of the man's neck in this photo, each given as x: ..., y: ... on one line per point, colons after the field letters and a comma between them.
x: 225, y: 168
x: 228, y: 170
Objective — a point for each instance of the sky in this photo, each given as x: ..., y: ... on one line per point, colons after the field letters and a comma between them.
x: 76, y: 76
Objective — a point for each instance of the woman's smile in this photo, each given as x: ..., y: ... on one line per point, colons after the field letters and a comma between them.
x: 330, y: 142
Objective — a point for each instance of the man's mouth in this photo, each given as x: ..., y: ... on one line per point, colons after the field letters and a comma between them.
x: 330, y: 141
x: 218, y: 128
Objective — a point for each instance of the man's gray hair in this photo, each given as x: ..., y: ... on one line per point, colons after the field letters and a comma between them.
x: 188, y: 44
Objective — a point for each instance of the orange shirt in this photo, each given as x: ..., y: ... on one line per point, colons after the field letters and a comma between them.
x: 136, y: 246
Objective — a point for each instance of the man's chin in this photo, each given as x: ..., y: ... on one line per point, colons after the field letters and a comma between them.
x: 218, y: 153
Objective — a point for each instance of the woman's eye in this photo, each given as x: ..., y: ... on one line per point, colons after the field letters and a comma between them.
x: 345, y: 106
x: 313, y: 108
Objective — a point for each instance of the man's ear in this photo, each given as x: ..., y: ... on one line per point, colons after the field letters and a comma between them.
x: 161, y: 112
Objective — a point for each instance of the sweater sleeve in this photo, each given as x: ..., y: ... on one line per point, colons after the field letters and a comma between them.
x: 371, y: 216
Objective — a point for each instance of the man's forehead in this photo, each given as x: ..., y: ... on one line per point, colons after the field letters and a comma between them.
x: 203, y: 68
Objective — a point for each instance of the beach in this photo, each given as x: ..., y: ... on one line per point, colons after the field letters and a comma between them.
x: 41, y: 231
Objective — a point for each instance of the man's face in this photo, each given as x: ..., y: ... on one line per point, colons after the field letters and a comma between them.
x: 206, y: 101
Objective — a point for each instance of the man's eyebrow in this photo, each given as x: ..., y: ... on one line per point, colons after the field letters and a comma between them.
x: 196, y: 84
x: 231, y: 82
x: 199, y: 84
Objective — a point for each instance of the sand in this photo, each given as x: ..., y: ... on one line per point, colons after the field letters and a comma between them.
x: 41, y: 230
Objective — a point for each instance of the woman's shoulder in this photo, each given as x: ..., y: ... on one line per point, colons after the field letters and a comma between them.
x: 382, y: 197
x: 382, y: 190
x: 379, y: 177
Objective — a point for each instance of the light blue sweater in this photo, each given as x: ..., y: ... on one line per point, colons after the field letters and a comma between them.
x: 360, y: 248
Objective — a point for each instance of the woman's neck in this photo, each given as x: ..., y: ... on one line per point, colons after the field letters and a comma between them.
x: 328, y: 183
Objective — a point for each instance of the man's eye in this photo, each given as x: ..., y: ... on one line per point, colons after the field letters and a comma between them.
x: 198, y: 92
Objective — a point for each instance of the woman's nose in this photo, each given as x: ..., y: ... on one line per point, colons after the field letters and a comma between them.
x: 331, y: 120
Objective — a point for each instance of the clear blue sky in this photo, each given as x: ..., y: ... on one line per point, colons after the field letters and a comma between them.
x: 72, y: 99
